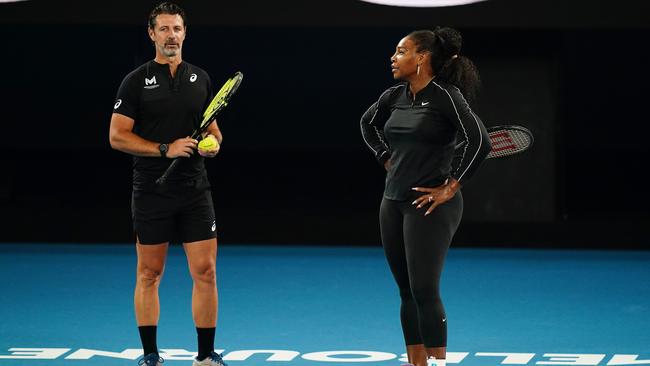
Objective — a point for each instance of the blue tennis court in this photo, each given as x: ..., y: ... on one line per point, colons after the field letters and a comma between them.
x: 308, y: 306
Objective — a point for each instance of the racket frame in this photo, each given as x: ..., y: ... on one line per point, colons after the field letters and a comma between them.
x: 217, y: 104
x: 492, y: 129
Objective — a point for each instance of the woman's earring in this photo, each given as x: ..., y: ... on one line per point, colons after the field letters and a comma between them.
x: 418, y: 70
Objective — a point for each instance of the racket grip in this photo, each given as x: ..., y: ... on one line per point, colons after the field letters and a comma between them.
x: 165, y: 175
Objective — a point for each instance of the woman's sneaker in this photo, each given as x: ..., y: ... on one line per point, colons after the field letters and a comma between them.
x: 151, y: 359
x: 213, y: 360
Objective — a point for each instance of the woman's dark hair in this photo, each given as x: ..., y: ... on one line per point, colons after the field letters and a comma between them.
x: 166, y: 8
x: 448, y: 65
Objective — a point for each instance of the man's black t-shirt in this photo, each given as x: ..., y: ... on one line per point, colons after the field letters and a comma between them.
x: 164, y: 109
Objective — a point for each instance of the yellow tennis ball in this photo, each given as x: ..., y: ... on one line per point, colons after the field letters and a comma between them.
x: 209, y: 143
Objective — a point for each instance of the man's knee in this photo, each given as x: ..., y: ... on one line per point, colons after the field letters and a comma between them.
x: 149, y: 276
x: 205, y: 273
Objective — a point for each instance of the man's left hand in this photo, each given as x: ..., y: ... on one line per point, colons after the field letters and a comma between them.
x: 212, y: 152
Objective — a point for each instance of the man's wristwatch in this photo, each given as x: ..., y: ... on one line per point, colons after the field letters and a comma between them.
x: 163, y: 150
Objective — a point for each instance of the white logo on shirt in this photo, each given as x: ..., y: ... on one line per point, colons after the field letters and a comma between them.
x: 117, y: 104
x: 150, y: 83
x: 425, y: 103
x: 193, y: 78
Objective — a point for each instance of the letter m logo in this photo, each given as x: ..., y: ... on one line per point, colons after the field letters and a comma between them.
x: 150, y: 81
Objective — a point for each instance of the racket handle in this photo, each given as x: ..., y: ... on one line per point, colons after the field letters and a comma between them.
x: 165, y: 175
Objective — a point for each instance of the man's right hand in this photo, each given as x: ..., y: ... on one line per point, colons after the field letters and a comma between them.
x: 182, y: 148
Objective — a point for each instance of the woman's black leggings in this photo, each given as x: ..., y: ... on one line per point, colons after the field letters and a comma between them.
x: 415, y: 247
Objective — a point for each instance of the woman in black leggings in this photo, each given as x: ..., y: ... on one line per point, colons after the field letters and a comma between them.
x: 413, y: 129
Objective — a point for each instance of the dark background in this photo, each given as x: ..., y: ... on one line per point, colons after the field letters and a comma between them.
x: 293, y: 168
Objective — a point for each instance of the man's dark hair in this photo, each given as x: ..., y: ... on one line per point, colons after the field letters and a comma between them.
x: 166, y: 8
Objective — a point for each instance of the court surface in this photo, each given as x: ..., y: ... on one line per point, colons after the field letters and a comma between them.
x: 309, y: 306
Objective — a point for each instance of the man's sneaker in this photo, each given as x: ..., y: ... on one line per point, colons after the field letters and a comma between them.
x: 151, y: 359
x: 213, y: 360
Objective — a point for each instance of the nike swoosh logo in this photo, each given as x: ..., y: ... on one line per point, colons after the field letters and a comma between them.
x: 425, y: 103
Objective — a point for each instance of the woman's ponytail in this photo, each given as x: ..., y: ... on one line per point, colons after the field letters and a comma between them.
x: 448, y: 65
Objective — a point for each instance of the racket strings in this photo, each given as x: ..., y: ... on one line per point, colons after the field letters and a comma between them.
x: 221, y: 99
x: 505, y: 143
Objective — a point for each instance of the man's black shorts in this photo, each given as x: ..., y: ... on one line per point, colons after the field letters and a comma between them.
x: 173, y: 213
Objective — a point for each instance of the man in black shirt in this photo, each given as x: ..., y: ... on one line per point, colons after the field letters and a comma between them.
x: 158, y: 105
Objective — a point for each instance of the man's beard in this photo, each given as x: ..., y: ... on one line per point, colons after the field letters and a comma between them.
x: 170, y: 52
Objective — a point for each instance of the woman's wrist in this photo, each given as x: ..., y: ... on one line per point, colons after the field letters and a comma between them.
x: 453, y: 184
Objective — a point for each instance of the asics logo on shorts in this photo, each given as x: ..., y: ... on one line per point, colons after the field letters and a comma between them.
x: 214, y: 225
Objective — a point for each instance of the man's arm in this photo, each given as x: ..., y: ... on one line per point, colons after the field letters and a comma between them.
x: 122, y: 138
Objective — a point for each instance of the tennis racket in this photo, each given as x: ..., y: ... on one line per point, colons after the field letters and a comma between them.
x: 506, y: 141
x: 218, y: 103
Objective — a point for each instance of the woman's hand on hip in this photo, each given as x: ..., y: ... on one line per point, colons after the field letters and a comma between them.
x: 437, y: 195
